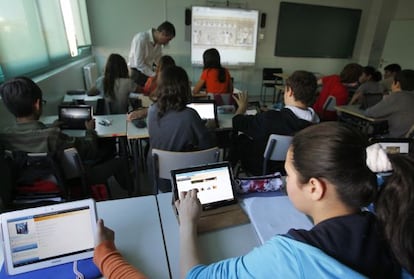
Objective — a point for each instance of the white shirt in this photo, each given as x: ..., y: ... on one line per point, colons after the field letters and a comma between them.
x: 144, y: 53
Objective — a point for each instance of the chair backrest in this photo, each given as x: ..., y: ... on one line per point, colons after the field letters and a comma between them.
x: 268, y: 74
x: 330, y: 104
x: 165, y: 161
x: 276, y: 149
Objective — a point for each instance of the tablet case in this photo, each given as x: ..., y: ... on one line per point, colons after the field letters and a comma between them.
x: 63, y: 271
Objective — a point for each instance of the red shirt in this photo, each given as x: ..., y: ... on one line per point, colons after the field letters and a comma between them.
x: 210, y: 76
x: 331, y: 86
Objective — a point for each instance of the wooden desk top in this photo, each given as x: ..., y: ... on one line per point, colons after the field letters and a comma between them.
x: 354, y: 110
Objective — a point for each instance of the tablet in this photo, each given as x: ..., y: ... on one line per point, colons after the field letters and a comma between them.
x: 50, y: 235
x: 74, y: 116
x: 213, y: 181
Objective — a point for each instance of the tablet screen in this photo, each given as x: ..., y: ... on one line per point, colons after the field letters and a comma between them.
x: 214, y: 184
x: 43, y: 238
x: 205, y: 110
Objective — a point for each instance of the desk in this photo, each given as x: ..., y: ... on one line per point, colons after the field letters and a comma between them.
x: 138, y: 234
x: 221, y: 244
x: 355, y: 116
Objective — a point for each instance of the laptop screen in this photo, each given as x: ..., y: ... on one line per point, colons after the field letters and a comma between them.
x: 206, y: 110
x: 213, y: 181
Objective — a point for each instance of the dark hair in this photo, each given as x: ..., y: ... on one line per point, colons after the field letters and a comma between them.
x: 19, y: 95
x: 168, y: 28
x: 165, y: 61
x: 395, y: 209
x: 370, y: 71
x: 335, y: 152
x: 393, y: 68
x: 173, y: 91
x: 351, y: 73
x: 406, y: 79
x: 116, y: 67
x: 303, y: 85
x: 211, y: 60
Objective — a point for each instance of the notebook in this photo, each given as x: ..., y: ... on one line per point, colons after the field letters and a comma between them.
x: 213, y: 181
x: 47, y: 236
x: 207, y: 109
x: 74, y: 116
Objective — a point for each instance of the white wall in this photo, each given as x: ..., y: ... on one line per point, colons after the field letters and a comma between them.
x: 113, y: 24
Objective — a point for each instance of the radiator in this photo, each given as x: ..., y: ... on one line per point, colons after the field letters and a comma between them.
x: 90, y: 74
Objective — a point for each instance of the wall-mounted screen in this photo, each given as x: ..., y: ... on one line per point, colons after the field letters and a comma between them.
x: 316, y: 31
x: 233, y: 32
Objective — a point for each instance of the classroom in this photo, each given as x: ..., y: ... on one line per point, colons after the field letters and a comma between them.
x: 140, y: 201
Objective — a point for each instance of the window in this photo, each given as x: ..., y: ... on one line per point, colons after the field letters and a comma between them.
x: 39, y: 35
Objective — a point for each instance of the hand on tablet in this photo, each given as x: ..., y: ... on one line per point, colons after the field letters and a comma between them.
x: 189, y: 207
x: 103, y: 233
x: 90, y: 124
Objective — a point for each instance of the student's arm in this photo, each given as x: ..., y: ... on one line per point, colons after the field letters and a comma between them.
x: 189, y: 209
x: 356, y: 98
x: 382, y: 109
x: 107, y: 258
x: 198, y: 86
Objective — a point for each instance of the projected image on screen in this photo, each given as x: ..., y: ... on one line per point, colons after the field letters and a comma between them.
x: 233, y: 32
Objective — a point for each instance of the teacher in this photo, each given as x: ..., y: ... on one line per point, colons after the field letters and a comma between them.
x: 146, y: 51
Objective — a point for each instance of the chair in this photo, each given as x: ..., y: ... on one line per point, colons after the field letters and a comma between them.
x: 270, y: 80
x: 276, y: 149
x: 165, y: 161
x: 329, y: 105
x: 36, y: 179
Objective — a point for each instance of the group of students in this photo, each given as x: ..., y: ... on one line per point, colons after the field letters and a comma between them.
x: 397, y: 89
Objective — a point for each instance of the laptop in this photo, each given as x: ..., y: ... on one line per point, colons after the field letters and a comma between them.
x: 74, y: 116
x: 47, y: 236
x: 215, y: 192
x: 207, y: 110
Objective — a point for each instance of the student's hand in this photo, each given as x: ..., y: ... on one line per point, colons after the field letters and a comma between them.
x: 137, y: 114
x: 90, y: 124
x: 189, y: 207
x: 211, y: 124
x: 242, y: 102
x: 57, y: 123
x: 103, y: 233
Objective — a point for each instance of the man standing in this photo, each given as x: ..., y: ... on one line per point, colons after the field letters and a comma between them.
x: 146, y: 51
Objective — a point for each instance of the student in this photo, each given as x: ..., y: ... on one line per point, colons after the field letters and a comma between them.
x: 336, y: 86
x: 330, y: 181
x: 214, y: 77
x: 249, y: 146
x: 172, y: 125
x: 397, y: 108
x: 369, y: 80
x: 331, y: 187
x: 116, y: 84
x: 151, y: 84
x: 146, y: 49
x: 389, y: 73
x: 23, y: 98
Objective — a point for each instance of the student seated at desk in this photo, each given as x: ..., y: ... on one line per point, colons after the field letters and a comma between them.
x: 214, y: 77
x: 397, y: 108
x: 23, y: 98
x: 249, y: 146
x: 346, y: 242
x: 151, y: 83
x: 115, y: 85
x: 172, y: 125
x: 330, y: 178
x: 369, y: 80
x: 335, y: 85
